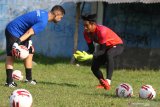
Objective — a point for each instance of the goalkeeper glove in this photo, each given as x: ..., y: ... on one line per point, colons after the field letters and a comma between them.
x: 15, y: 49
x: 77, y: 54
x: 83, y: 56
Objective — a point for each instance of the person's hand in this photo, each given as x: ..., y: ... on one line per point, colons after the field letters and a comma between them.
x: 78, y: 54
x: 29, y: 43
x: 85, y: 57
x: 30, y: 46
x: 82, y: 56
x: 15, y: 50
x: 15, y: 45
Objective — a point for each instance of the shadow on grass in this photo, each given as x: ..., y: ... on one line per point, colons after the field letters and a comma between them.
x: 49, y: 60
x: 138, y: 102
x: 109, y: 95
x: 59, y: 84
x: 102, y: 94
x: 41, y: 59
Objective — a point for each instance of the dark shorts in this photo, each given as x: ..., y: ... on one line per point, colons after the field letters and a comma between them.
x: 10, y: 39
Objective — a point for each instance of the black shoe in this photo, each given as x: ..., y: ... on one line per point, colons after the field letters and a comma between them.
x: 13, y: 84
x: 33, y: 82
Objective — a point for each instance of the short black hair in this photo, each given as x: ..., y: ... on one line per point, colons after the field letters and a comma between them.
x: 58, y: 8
x: 89, y: 17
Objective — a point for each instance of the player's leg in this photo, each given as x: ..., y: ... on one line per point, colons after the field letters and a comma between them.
x: 28, y: 67
x: 9, y: 59
x: 9, y: 70
x: 97, y: 62
x: 28, y: 63
x: 110, y: 54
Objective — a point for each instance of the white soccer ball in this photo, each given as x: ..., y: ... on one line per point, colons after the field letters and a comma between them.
x: 17, y: 75
x: 24, y: 52
x: 147, y: 92
x: 124, y: 90
x: 21, y: 98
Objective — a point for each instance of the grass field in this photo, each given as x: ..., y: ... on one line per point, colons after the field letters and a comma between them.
x: 61, y: 84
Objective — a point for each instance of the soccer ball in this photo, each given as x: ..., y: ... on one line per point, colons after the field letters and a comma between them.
x: 147, y: 92
x: 24, y: 52
x: 124, y: 90
x: 21, y: 98
x: 17, y: 75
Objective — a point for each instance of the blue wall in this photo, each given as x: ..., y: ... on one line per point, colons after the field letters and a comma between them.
x: 56, y: 39
x: 138, y: 24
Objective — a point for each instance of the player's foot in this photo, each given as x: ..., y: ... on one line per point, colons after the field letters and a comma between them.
x: 105, y: 84
x: 99, y: 86
x: 12, y: 84
x: 33, y: 82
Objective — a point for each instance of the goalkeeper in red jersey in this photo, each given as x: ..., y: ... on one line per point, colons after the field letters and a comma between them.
x: 110, y: 45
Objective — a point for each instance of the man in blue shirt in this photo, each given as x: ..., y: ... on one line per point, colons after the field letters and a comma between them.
x: 19, y: 32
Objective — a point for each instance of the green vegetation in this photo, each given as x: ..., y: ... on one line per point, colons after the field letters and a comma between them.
x: 61, y: 84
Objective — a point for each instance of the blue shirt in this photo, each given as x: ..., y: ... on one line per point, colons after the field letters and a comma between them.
x: 37, y: 20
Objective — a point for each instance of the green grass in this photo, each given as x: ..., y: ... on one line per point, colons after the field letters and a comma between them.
x: 61, y: 84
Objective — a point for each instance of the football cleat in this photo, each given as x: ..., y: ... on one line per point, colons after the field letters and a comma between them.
x: 33, y: 82
x: 13, y: 84
x: 105, y: 84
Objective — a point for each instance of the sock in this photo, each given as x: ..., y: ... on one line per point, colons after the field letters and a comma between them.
x: 28, y: 73
x: 9, y: 75
x: 109, y: 81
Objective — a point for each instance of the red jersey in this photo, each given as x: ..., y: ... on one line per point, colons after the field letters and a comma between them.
x: 103, y: 35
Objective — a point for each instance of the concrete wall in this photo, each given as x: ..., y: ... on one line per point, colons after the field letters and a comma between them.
x: 138, y: 25
x: 139, y: 58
